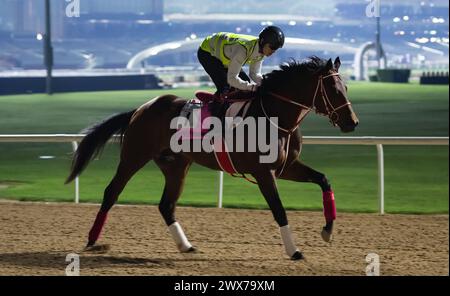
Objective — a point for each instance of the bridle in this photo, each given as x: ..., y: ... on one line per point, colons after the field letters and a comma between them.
x: 330, y: 110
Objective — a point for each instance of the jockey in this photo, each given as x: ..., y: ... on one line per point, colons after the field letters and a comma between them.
x: 223, y: 55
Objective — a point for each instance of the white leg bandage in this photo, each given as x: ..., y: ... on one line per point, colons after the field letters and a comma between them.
x: 179, y: 237
x: 288, y: 241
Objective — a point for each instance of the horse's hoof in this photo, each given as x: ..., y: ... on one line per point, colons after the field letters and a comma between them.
x: 327, y: 236
x: 89, y: 247
x: 297, y: 256
x: 190, y: 250
x: 92, y: 248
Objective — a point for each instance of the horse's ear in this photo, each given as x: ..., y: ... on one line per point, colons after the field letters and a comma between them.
x: 337, y: 63
x: 329, y: 64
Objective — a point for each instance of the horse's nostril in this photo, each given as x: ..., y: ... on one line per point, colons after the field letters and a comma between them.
x: 356, y: 123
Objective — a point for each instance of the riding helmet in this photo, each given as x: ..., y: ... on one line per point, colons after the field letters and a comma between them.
x: 272, y: 35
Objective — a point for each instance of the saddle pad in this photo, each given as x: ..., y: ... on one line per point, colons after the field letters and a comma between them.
x: 197, y: 113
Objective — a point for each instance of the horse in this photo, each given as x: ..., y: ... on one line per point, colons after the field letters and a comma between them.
x: 287, y: 93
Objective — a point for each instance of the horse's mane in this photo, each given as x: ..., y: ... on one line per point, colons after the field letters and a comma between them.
x: 298, y: 69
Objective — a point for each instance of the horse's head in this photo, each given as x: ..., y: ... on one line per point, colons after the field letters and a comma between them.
x: 331, y: 99
x: 314, y: 84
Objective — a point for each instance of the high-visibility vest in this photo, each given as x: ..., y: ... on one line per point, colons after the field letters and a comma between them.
x: 215, y: 44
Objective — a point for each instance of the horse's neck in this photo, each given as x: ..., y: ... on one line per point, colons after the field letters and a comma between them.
x: 288, y: 114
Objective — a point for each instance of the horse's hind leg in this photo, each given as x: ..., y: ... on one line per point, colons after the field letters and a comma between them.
x: 301, y: 173
x: 133, y: 158
x: 175, y: 168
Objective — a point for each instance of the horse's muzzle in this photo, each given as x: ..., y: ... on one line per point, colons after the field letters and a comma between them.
x: 349, y: 128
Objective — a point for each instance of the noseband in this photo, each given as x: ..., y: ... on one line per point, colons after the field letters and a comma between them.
x: 330, y: 110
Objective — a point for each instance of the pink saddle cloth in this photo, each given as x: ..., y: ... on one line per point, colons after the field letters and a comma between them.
x: 197, y: 111
x: 198, y: 115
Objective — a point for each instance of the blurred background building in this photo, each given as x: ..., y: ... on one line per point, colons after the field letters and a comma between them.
x: 109, y: 33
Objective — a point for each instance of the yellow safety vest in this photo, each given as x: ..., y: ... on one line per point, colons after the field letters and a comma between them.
x: 215, y: 44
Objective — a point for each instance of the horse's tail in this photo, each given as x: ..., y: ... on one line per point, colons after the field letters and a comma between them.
x: 95, y: 139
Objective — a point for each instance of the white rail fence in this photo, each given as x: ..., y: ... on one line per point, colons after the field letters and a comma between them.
x: 74, y: 139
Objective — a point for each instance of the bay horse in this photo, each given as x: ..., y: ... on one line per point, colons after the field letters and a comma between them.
x: 288, y: 93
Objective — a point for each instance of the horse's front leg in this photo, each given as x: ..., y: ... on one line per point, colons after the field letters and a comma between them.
x: 299, y: 172
x: 267, y: 185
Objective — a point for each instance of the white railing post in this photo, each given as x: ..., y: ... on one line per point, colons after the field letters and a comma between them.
x: 219, y: 203
x: 380, y: 178
x: 77, y: 181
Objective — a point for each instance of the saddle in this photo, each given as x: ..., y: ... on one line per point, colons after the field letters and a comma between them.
x: 232, y: 104
x: 221, y: 105
x: 199, y: 110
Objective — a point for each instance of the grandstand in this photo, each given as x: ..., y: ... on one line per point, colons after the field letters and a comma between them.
x: 108, y: 33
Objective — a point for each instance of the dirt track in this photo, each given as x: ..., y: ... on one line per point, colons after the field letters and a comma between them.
x: 35, y: 239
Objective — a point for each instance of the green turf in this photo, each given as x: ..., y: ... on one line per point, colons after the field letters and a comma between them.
x: 416, y: 177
